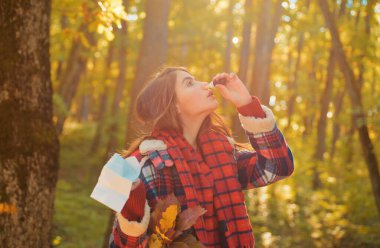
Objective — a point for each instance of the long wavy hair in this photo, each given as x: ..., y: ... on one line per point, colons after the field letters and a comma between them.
x: 155, y: 106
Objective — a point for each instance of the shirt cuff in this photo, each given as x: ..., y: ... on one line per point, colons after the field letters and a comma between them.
x: 133, y: 209
x: 253, y: 109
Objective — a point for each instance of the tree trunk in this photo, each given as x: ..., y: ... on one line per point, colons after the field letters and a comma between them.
x: 64, y: 24
x: 355, y: 97
x: 230, y: 26
x: 227, y: 56
x: 102, y: 111
x: 75, y: 67
x: 238, y: 131
x: 322, y: 121
x: 269, y: 20
x: 121, y: 42
x: 338, y: 103
x: 293, y: 81
x: 308, y: 116
x: 293, y: 84
x: 29, y: 146
x: 152, y: 55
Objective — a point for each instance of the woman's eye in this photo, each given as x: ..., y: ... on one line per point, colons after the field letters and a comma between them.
x: 189, y: 83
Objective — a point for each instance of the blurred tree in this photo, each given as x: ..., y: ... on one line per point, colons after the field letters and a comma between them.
x: 152, y: 55
x: 236, y: 127
x: 246, y: 41
x: 102, y: 111
x: 356, y: 102
x: 268, y: 21
x: 75, y: 67
x: 293, y: 81
x: 29, y: 146
x: 229, y: 36
x: 121, y: 41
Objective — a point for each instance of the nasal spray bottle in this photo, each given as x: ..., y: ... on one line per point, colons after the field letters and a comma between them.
x: 216, y: 82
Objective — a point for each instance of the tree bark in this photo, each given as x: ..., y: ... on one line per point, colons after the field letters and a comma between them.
x: 356, y: 102
x: 29, y: 146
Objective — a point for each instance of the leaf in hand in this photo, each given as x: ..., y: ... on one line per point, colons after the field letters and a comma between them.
x: 186, y: 241
x: 188, y: 218
x: 156, y: 215
x: 168, y: 218
x: 160, y: 208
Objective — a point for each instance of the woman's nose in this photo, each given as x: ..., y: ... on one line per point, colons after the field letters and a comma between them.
x: 203, y: 85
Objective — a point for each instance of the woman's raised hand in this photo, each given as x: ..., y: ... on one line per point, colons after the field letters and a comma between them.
x: 233, y: 90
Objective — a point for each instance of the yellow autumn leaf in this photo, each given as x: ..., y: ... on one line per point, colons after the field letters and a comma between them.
x: 168, y: 218
x: 162, y: 235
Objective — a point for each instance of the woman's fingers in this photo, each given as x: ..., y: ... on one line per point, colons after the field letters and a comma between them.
x: 223, y: 91
x: 228, y: 76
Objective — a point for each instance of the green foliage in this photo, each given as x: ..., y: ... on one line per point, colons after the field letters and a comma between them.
x: 79, y: 221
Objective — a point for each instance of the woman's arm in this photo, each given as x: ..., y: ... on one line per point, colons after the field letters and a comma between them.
x: 130, y: 226
x: 272, y: 159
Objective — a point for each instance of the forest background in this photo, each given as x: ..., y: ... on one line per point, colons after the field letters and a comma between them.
x: 314, y: 63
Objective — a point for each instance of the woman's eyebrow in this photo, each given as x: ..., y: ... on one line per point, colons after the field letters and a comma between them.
x: 187, y: 78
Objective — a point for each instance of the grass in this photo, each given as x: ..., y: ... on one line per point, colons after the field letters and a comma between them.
x: 79, y: 221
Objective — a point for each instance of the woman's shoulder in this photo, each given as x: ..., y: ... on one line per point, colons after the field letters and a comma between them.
x: 154, y: 153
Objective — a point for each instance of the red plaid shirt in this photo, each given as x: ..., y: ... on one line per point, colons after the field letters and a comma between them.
x: 191, y: 182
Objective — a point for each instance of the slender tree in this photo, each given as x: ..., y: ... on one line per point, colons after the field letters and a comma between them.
x: 75, y: 67
x: 243, y: 64
x: 152, y: 54
x: 293, y: 80
x: 121, y: 44
x: 268, y: 21
x: 356, y: 102
x: 101, y: 115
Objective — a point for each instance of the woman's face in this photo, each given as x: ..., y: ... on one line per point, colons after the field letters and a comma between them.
x: 193, y: 97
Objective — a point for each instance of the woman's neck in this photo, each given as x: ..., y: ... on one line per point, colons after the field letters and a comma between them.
x: 191, y: 128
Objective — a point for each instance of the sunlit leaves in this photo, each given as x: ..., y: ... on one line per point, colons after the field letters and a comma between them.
x: 167, y: 224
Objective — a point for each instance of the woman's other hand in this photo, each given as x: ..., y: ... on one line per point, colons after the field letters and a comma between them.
x: 233, y: 90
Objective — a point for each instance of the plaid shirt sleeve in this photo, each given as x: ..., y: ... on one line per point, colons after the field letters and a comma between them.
x: 154, y: 159
x: 118, y: 239
x: 271, y: 161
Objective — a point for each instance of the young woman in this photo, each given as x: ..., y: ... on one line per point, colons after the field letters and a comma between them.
x: 190, y: 152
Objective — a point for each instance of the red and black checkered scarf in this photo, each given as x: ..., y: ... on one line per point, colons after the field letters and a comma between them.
x: 209, y: 178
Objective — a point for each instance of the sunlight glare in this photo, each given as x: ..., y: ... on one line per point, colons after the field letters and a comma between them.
x: 272, y: 100
x: 102, y: 6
